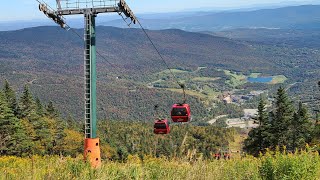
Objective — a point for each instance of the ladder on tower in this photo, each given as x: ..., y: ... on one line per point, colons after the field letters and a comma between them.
x: 88, y: 83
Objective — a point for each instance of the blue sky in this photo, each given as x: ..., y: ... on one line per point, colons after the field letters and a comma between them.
x: 28, y: 9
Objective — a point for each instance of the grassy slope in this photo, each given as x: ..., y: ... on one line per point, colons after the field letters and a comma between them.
x: 254, y: 75
x: 236, y: 145
x: 189, y: 77
x: 278, y: 79
x: 301, y: 166
x: 204, y: 79
x: 236, y: 79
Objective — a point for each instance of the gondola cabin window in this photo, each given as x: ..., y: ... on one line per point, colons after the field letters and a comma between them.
x: 179, y: 112
x: 160, y: 126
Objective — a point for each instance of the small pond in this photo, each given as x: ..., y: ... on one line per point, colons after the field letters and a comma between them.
x: 260, y: 79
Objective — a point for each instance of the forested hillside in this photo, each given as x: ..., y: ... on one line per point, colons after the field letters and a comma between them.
x: 130, y: 150
x: 50, y: 61
x: 29, y: 127
x: 55, y: 74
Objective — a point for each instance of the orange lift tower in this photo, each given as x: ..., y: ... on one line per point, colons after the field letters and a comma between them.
x: 90, y: 9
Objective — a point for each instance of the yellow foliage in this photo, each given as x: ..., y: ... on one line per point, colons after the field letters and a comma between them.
x: 28, y: 127
x: 134, y: 159
x: 107, y: 151
x: 73, y: 141
x: 303, y: 165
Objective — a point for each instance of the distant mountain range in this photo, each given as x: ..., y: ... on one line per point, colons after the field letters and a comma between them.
x: 297, y: 17
x: 294, y: 17
x: 303, y: 38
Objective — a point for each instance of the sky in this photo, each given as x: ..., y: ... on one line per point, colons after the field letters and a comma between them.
x: 28, y: 9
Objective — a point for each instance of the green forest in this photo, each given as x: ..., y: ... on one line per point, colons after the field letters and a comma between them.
x: 29, y: 127
x: 36, y: 143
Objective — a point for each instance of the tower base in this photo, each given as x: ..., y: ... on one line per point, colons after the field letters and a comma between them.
x: 92, y: 152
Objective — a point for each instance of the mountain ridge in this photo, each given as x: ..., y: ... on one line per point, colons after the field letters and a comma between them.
x: 287, y: 18
x: 202, y: 20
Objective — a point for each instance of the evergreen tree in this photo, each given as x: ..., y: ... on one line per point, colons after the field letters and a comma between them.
x: 316, y: 134
x: 44, y: 136
x: 24, y: 142
x: 27, y: 105
x: 59, y: 135
x: 281, y: 120
x: 264, y: 126
x: 253, y: 142
x: 39, y: 107
x: 51, y: 111
x: 70, y: 122
x: 10, y: 97
x: 300, y: 128
x: 31, y: 136
x: 37, y: 126
x: 12, y: 135
x: 316, y: 129
x: 259, y: 138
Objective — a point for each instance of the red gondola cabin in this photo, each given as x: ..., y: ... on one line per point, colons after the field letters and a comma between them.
x: 180, y: 113
x: 161, y: 127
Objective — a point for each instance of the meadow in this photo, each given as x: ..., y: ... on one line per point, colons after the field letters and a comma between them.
x: 302, y: 165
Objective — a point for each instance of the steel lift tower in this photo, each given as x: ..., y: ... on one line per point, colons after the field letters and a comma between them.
x: 90, y: 9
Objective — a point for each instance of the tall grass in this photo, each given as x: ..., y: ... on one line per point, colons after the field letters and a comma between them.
x: 302, y: 165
